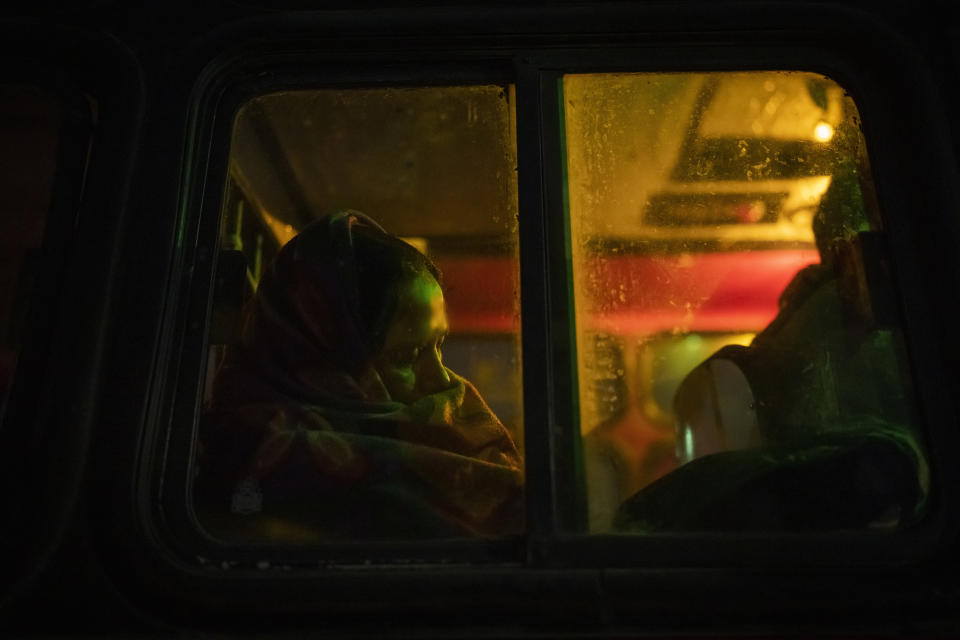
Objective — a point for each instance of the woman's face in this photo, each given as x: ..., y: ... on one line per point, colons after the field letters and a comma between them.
x: 410, y: 364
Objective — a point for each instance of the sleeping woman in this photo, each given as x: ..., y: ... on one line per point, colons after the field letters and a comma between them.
x: 335, y: 418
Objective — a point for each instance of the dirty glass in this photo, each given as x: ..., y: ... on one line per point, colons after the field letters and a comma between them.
x: 739, y: 353
x: 356, y: 391
x: 30, y: 122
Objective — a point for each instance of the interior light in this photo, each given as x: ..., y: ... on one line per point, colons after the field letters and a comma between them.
x: 822, y: 132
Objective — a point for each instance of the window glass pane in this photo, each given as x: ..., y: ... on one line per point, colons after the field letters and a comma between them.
x: 30, y: 121
x: 740, y: 361
x: 364, y: 375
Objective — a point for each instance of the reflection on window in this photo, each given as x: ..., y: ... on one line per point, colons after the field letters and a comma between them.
x: 30, y: 120
x: 739, y: 356
x: 364, y: 372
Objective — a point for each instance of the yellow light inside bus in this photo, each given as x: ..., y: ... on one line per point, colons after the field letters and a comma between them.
x: 823, y: 132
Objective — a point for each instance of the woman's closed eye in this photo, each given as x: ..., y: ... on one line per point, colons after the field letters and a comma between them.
x: 406, y: 355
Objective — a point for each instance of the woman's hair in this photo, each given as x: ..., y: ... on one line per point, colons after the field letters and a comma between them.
x: 383, y: 264
x: 329, y: 296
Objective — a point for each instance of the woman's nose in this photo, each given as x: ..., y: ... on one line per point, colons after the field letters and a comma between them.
x: 432, y: 376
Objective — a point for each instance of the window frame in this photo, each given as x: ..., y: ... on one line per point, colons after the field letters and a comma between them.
x: 46, y: 446
x: 932, y: 404
x: 626, y: 570
x: 65, y: 195
x: 193, y: 309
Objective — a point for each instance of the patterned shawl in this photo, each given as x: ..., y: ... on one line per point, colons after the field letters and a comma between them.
x: 302, y: 431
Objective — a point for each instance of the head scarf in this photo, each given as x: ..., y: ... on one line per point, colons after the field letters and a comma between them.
x: 302, y: 431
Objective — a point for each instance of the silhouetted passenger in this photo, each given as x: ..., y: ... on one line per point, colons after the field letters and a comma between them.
x: 626, y: 450
x: 809, y: 427
x: 335, y: 418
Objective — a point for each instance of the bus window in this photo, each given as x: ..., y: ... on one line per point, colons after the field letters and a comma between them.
x: 739, y: 356
x: 364, y: 368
